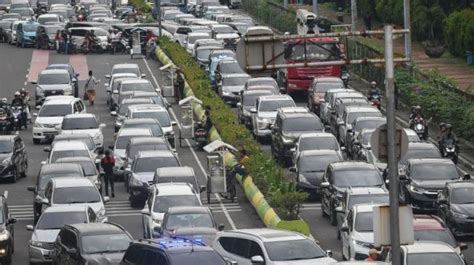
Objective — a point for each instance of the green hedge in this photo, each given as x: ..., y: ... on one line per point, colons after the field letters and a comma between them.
x: 267, y: 175
x: 284, y: 21
x: 459, y: 32
x: 141, y: 5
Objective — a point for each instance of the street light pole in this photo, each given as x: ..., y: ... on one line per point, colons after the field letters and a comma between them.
x: 392, y: 158
x: 315, y: 7
x: 353, y: 15
x: 285, y: 3
x: 407, y: 25
x: 158, y: 9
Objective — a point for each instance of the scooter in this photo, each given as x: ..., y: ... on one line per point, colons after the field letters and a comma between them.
x: 4, y: 123
x: 376, y: 101
x: 419, y: 127
x: 200, y: 136
x: 449, y: 150
x: 17, y: 117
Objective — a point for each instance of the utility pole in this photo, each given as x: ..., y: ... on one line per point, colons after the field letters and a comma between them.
x: 353, y: 15
x: 285, y: 3
x: 392, y: 158
x: 315, y: 7
x: 407, y: 24
x: 158, y: 9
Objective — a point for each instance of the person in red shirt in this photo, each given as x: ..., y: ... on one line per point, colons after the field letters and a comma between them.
x: 373, y: 255
x: 108, y: 163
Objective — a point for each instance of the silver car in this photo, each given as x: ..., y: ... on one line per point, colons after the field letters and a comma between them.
x: 53, y: 82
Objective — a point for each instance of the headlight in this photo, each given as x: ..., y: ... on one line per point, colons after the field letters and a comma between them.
x: 6, y: 161
x: 226, y: 93
x: 303, y: 179
x: 37, y: 124
x: 135, y: 182
x: 4, y: 235
x: 246, y: 112
x: 101, y: 213
x: 263, y: 120
x: 287, y: 140
x: 459, y: 215
x: 39, y: 244
x: 363, y: 244
x: 415, y: 189
x: 419, y: 127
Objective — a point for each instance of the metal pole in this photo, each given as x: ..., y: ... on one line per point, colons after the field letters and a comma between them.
x: 407, y: 23
x: 285, y: 3
x: 158, y: 9
x: 353, y: 15
x: 315, y: 7
x: 392, y: 159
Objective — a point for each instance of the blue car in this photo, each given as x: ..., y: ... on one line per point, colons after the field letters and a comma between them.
x: 26, y: 33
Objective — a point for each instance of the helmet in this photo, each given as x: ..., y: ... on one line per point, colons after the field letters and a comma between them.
x: 449, y: 126
x: 17, y: 93
x: 22, y: 90
x: 442, y: 124
x: 4, y: 100
x: 373, y: 83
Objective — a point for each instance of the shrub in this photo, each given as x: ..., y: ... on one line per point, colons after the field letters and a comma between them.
x: 284, y: 21
x: 459, y: 32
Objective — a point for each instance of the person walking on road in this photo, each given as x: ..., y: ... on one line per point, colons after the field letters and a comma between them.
x: 90, y: 93
x: 179, y: 91
x: 108, y: 163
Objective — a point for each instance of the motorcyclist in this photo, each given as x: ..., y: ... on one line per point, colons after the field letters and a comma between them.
x: 373, y: 91
x: 6, y: 108
x: 18, y: 101
x: 449, y: 135
x: 442, y: 132
x: 26, y: 98
x: 415, y: 113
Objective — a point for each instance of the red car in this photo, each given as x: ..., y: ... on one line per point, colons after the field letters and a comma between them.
x: 318, y: 89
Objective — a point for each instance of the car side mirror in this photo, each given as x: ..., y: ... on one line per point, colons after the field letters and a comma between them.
x: 44, y: 201
x: 145, y: 211
x: 463, y: 246
x: 253, y: 110
x: 221, y: 227
x: 113, y: 113
x: 102, y: 125
x: 324, y: 185
x: 442, y: 201
x: 143, y: 75
x: 344, y: 228
x: 72, y: 252
x: 173, y: 123
x: 111, y: 147
x: 157, y: 229
x: 329, y: 253
x: 340, y: 122
x: 106, y: 199
x: 356, y: 142
x: 47, y: 149
x: 257, y: 260
x: 31, y: 188
x: 29, y: 228
x: 35, y: 114
x: 202, y: 188
x: 404, y: 178
x: 339, y: 209
x: 466, y: 177
x: 292, y: 169
x: 44, y: 162
x: 239, y: 104
x: 107, y: 76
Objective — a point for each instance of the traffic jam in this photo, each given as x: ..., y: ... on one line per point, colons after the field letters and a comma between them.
x: 98, y: 126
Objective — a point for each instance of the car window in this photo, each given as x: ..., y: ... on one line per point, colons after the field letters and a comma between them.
x: 76, y: 195
x: 92, y: 244
x: 357, y: 178
x: 293, y: 250
x: 79, y: 123
x: 302, y: 124
x: 68, y: 153
x: 201, y: 257
x: 152, y: 257
x: 241, y: 247
x: 274, y: 105
x: 163, y: 203
x: 56, y: 220
x: 255, y: 250
x: 6, y: 147
x: 133, y: 255
x: 316, y: 163
x: 434, y: 258
x: 55, y: 110
x: 162, y: 116
x: 189, y: 220
x: 150, y: 164
x: 432, y: 171
x: 54, y: 79
x: 69, y: 239
x: 227, y: 243
x: 364, y: 222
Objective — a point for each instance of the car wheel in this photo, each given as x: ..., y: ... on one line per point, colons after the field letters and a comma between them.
x: 14, y: 175
x: 36, y: 141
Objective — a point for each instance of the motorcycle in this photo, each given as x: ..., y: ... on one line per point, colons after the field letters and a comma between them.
x: 118, y: 45
x: 17, y: 117
x: 449, y: 150
x: 96, y: 47
x: 345, y: 78
x: 4, y: 122
x: 419, y: 127
x: 375, y: 100
x: 200, y: 136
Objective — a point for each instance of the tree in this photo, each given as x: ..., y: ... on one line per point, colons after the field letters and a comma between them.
x: 428, y: 19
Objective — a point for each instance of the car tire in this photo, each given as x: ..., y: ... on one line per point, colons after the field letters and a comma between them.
x: 36, y: 141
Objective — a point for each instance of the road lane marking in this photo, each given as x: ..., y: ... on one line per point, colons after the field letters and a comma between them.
x: 39, y: 61
x: 224, y: 209
x: 79, y: 62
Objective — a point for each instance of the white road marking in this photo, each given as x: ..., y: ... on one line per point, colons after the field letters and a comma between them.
x: 224, y: 209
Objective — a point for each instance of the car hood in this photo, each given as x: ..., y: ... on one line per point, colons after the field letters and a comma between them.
x: 314, y: 178
x: 267, y: 114
x: 233, y: 89
x: 367, y: 237
x: 430, y: 184
x: 144, y: 176
x: 5, y: 156
x: 55, y: 87
x: 325, y: 260
x: 204, y: 233
x: 293, y: 135
x: 467, y: 209
x: 104, y: 258
x: 91, y: 132
x: 45, y: 235
x: 120, y: 153
x: 227, y: 36
x: 50, y: 120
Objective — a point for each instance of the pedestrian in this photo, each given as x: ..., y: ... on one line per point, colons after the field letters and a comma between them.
x: 108, y: 163
x: 373, y: 255
x: 64, y: 38
x: 368, y: 22
x: 89, y: 92
x: 179, y: 85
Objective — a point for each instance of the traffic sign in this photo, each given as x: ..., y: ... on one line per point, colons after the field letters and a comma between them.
x: 378, y: 142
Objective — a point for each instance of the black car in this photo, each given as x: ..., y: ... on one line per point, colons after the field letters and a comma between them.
x: 168, y: 251
x: 456, y: 207
x: 91, y: 243
x: 424, y: 179
x: 46, y: 173
x: 13, y: 157
x: 340, y: 176
x: 289, y: 124
x: 7, y: 233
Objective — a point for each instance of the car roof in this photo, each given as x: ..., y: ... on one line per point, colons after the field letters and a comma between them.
x: 417, y: 161
x: 235, y: 75
x: 198, y: 34
x: 140, y: 121
x: 71, y: 182
x: 427, y: 222
x: 175, y: 171
x: 275, y: 97
x: 188, y: 209
x: 136, y: 100
x: 421, y: 145
x: 366, y: 190
x: 461, y: 184
x: 267, y: 234
x: 147, y: 107
x: 134, y: 131
x: 317, y: 135
x: 80, y: 115
x: 428, y: 247
x: 60, y: 167
x: 48, y: 15
x: 365, y: 118
x: 351, y: 165
x: 60, y: 101
x: 173, y: 188
x: 73, y: 159
x: 66, y: 208
x: 125, y: 65
x: 62, y: 137
x: 257, y: 91
x: 361, y: 108
x: 321, y: 152
x: 54, y: 71
x: 124, y: 75
x: 365, y: 207
x: 148, y: 140
x: 135, y: 81
x: 7, y: 137
x: 58, y: 65
x: 154, y: 153
x: 70, y: 145
x: 96, y: 228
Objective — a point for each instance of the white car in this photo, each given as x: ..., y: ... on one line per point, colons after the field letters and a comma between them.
x: 156, y: 112
x: 191, y: 38
x: 181, y: 34
x: 270, y: 247
x: 428, y: 253
x: 49, y: 18
x: 65, y: 149
x: 161, y: 197
x: 51, y: 115
x: 85, y: 123
x: 266, y: 111
x: 75, y: 191
x: 126, y: 68
x: 121, y: 142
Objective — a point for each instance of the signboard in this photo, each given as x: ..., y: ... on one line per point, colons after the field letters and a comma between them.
x: 381, y: 223
x: 378, y: 142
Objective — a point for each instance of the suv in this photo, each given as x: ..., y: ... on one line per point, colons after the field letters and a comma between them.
x: 225, y: 65
x: 121, y: 142
x: 100, y: 243
x: 121, y: 113
x: 265, y: 113
x: 126, y: 68
x: 427, y: 252
x: 248, y: 101
x: 51, y: 114
x: 177, y: 175
x: 52, y: 82
x: 359, y: 124
x: 85, y: 123
x: 112, y: 88
x: 7, y: 234
x: 14, y: 159
x: 269, y: 246
x: 26, y: 33
x: 289, y: 124
x: 169, y: 251
x: 344, y: 125
x: 340, y: 176
x: 230, y: 87
x: 67, y: 149
x: 138, y: 144
x: 144, y: 123
x: 315, y: 141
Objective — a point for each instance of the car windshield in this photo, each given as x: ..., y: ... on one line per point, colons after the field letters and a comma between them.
x: 137, y: 87
x: 76, y: 195
x: 250, y: 100
x: 319, y: 52
x: 87, y: 141
x: 54, y: 79
x: 354, y: 115
x: 463, y: 195
x: 302, y: 124
x: 322, y: 87
x: 43, y: 20
x: 367, y: 198
x: 293, y: 250
x: 318, y: 143
x: 366, y: 137
x: 122, y: 141
x: 189, y: 220
x: 230, y: 68
x: 163, y: 203
x: 274, y: 105
x: 197, y: 257
x: 203, y: 54
x: 3, y: 2
x: 434, y: 171
x: 155, y: 128
x: 223, y: 30
x: 106, y: 243
x: 190, y: 180
x: 52, y: 30
x: 79, y: 124
x: 431, y: 258
x: 30, y: 27
x: 55, y: 110
x: 367, y: 124
x: 150, y: 164
x: 68, y: 153
x: 162, y: 116
x: 235, y: 81
x: 364, y: 222
x: 6, y: 147
x: 22, y: 11
x: 420, y: 153
x: 192, y: 39
x: 146, y: 147
x: 44, y: 179
x: 317, y: 163
x: 357, y: 178
x: 436, y: 235
x: 56, y: 220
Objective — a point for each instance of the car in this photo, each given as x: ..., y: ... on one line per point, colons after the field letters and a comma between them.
x: 181, y: 34
x: 67, y: 149
x: 136, y: 145
x: 12, y: 32
x: 146, y: 123
x: 269, y: 246
x: 49, y: 18
x: 47, y: 229
x: 77, y: 35
x: 358, y: 195
x: 226, y: 34
x: 248, y: 101
x: 240, y: 28
x: 26, y: 13
x: 290, y: 123
x: 51, y: 114
x: 357, y: 232
x: 225, y: 66
x: 191, y: 38
x: 310, y: 167
x: 85, y: 138
x: 26, y: 33
x: 361, y: 149
x: 455, y: 205
x: 89, y: 167
x: 84, y: 123
x: 417, y: 150
x: 112, y: 88
x: 202, y: 54
x: 424, y: 179
x: 155, y: 112
x: 157, y: 98
x: 100, y: 243
x: 121, y: 142
x: 75, y: 191
x: 264, y: 115
x: 428, y: 253
x: 359, y: 124
x: 214, y: 58
x: 340, y: 176
x: 326, y: 106
x: 169, y: 251
x: 340, y: 106
x: 318, y: 89
x: 262, y: 81
x: 345, y: 123
x: 161, y: 197
x: 143, y: 169
x: 46, y: 173
x: 189, y: 221
x: 7, y: 234
x: 5, y: 26
x: 230, y: 87
x: 14, y: 157
x: 137, y: 85
x: 53, y: 82
x: 315, y: 141
x: 182, y: 174
x: 120, y: 114
x: 72, y: 72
